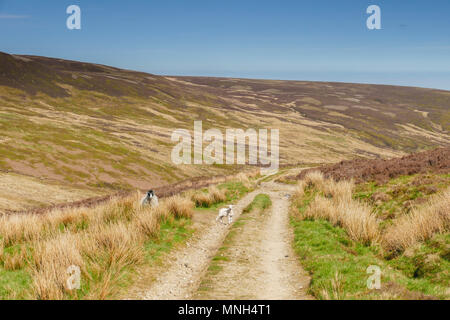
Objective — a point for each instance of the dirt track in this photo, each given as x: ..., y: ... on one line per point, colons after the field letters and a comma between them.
x: 262, y: 264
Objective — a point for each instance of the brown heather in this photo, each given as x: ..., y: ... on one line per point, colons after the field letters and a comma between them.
x: 381, y: 170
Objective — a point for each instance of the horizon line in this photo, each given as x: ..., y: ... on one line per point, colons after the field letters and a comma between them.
x: 243, y: 77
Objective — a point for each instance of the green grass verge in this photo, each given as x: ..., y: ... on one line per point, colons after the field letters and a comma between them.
x: 338, y: 265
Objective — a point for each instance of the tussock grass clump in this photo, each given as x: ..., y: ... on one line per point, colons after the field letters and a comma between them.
x: 297, y: 197
x: 15, y: 260
x: 335, y: 204
x: 51, y: 259
x: 212, y: 196
x: 114, y: 236
x: 338, y: 207
x: 321, y: 208
x: 117, y: 247
x: 15, y: 229
x: 18, y: 229
x: 202, y: 199
x: 179, y: 207
x: 229, y: 188
x: 315, y: 178
x: 217, y: 195
x: 359, y: 221
x: 299, y: 191
x: 147, y: 223
x: 355, y: 217
x: 339, y: 191
x: 244, y: 178
x: 421, y: 224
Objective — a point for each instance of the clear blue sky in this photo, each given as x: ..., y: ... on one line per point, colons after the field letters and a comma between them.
x: 305, y: 40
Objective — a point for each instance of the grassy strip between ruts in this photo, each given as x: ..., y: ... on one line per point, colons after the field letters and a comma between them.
x: 260, y: 202
x: 338, y: 265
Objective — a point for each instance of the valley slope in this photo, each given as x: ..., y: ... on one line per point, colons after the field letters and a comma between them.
x: 89, y: 129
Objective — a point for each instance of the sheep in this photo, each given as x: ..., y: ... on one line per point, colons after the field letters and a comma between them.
x: 150, y: 199
x: 225, y: 212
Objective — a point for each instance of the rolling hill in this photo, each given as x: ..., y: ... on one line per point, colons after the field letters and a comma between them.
x: 70, y: 130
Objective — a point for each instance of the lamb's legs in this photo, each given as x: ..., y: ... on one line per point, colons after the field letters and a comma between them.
x: 220, y: 219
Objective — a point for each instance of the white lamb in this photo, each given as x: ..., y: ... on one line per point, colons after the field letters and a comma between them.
x: 225, y: 212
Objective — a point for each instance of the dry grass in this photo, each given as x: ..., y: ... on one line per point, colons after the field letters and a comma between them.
x: 339, y: 191
x: 299, y: 191
x: 102, y: 241
x: 338, y: 207
x: 244, y: 178
x: 2, y: 249
x: 201, y: 199
x: 315, y: 178
x: 421, y: 224
x: 51, y: 260
x: 147, y: 224
x: 180, y: 207
x: 16, y: 260
x: 211, y: 197
x: 106, y: 242
x: 15, y: 229
x: 417, y: 274
x: 217, y: 195
x: 359, y: 221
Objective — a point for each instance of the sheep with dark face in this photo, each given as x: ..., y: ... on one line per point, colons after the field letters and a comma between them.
x: 150, y: 199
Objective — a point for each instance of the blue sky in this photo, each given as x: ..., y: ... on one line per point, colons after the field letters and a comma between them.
x: 305, y: 40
